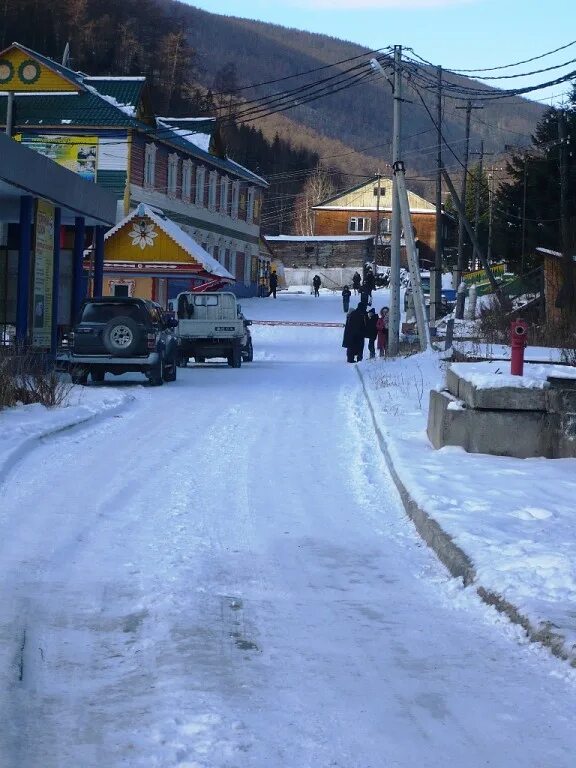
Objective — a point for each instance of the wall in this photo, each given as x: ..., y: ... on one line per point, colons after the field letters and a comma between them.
x: 326, y: 254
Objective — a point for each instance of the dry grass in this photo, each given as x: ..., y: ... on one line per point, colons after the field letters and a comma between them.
x: 27, y: 378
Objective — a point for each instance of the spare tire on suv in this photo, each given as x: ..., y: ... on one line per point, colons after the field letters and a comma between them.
x: 122, y: 336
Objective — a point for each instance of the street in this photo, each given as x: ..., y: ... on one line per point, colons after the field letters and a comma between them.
x: 222, y: 576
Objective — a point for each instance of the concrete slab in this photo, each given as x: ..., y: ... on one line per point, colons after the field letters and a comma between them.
x: 502, y: 398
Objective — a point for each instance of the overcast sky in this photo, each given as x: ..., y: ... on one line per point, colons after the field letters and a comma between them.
x: 458, y: 34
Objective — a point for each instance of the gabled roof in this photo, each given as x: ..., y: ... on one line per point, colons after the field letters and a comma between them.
x: 362, y: 197
x: 83, y: 109
x: 124, y: 90
x: 73, y: 77
x: 181, y: 238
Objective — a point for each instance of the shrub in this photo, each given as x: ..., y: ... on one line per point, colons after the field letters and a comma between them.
x: 28, y: 378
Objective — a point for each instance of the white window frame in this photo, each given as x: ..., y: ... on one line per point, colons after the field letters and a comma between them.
x: 186, y: 179
x: 212, y: 187
x: 150, y: 165
x: 385, y: 226
x: 224, y: 196
x: 235, y: 205
x: 200, y: 184
x: 172, y: 185
x: 358, y: 224
x: 251, y: 199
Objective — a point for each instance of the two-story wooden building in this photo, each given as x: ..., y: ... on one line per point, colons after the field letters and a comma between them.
x: 104, y: 129
x: 366, y: 209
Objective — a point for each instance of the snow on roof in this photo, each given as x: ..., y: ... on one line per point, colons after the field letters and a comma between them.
x: 548, y: 252
x: 181, y: 238
x: 199, y: 139
x: 128, y: 109
x: 246, y: 170
x: 315, y: 238
x: 135, y: 78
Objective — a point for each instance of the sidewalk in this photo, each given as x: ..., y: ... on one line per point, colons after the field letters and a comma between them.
x: 505, y: 526
x: 21, y: 428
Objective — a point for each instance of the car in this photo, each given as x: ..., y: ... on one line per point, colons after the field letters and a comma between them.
x: 211, y: 325
x: 120, y: 335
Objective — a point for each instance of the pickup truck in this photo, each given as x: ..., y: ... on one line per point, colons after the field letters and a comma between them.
x: 211, y: 325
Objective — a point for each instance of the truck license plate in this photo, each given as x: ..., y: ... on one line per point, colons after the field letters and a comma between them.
x: 224, y: 328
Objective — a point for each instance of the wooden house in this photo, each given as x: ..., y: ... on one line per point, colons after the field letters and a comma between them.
x: 366, y: 209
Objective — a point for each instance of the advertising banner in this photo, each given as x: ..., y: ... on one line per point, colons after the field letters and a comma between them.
x: 77, y: 153
x: 43, y: 275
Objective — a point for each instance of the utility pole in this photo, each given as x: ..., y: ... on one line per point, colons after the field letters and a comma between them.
x: 480, y: 169
x: 377, y: 238
x: 395, y: 254
x: 566, y: 296
x: 524, y: 194
x: 436, y: 281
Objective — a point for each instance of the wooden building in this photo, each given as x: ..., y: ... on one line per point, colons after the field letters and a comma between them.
x: 104, y: 129
x: 366, y: 209
x: 553, y: 280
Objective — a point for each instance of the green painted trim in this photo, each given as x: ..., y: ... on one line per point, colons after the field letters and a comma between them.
x: 28, y: 63
x: 7, y: 63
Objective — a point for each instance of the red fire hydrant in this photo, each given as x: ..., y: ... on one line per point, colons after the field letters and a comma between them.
x: 518, y: 342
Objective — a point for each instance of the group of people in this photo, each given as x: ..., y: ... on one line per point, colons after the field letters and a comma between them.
x: 362, y: 324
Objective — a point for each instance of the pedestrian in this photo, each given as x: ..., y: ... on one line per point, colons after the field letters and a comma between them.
x: 346, y: 293
x: 382, y: 328
x: 273, y: 284
x: 316, y: 283
x: 371, y: 331
x: 355, y: 333
x: 365, y: 295
x: 356, y: 282
x: 369, y: 281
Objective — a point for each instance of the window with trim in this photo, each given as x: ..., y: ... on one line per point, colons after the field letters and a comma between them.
x: 224, y: 183
x: 250, y: 205
x: 150, y: 165
x: 212, y: 186
x: 235, y: 199
x: 360, y: 224
x: 385, y: 226
x: 200, y: 184
x: 173, y: 161
x: 186, y: 179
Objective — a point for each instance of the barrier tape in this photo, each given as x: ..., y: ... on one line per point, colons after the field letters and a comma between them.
x: 298, y: 322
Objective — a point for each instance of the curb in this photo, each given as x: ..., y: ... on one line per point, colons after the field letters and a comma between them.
x: 457, y: 561
x: 32, y: 442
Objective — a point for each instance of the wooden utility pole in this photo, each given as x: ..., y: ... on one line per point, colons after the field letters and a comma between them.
x: 566, y: 297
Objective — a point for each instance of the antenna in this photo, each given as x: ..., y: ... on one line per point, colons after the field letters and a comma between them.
x: 66, y: 55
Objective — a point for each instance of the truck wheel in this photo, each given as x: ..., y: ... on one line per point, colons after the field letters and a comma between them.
x: 235, y: 357
x: 97, y: 375
x: 248, y: 355
x: 169, y: 371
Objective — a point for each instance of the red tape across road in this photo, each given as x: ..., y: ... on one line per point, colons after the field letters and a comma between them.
x: 297, y: 322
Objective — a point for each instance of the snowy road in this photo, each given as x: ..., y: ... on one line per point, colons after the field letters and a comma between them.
x: 223, y: 577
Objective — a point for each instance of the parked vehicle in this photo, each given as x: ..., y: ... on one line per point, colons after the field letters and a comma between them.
x: 211, y: 325
x: 120, y: 335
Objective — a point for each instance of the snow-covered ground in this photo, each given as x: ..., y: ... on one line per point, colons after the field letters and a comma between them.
x: 221, y: 575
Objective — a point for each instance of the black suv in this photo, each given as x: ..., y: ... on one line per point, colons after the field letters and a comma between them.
x: 119, y: 335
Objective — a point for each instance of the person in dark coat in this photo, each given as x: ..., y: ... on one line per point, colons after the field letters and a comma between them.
x: 356, y: 282
x: 346, y: 293
x: 273, y: 284
x: 355, y: 333
x: 365, y: 296
x: 370, y: 281
x: 316, y: 283
x: 371, y: 331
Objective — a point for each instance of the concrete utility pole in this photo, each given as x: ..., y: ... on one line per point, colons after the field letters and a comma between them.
x: 395, y: 253
x: 377, y: 238
x: 436, y: 281
x: 412, y: 254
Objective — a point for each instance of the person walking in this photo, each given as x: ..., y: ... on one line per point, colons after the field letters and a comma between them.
x: 371, y: 331
x: 370, y: 281
x: 356, y: 282
x: 365, y: 296
x: 273, y: 284
x: 355, y: 333
x: 382, y: 328
x: 316, y: 283
x: 346, y: 293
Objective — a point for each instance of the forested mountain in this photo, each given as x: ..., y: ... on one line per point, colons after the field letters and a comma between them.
x: 198, y: 62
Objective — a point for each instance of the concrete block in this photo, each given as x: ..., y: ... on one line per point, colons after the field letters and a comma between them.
x: 522, y: 434
x: 561, y: 400
x: 566, y: 448
x: 502, y: 398
x: 452, y: 382
x: 447, y: 423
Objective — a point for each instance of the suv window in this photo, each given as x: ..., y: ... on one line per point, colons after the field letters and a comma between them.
x: 103, y: 313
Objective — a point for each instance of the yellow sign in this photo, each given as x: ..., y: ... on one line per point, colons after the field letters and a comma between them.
x: 77, y: 153
x: 43, y: 275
